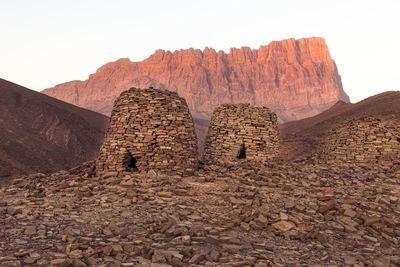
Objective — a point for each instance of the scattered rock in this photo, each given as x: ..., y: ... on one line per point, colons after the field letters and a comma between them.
x: 330, y: 216
x: 283, y: 226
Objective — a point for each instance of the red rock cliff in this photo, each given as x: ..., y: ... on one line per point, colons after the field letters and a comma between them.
x: 295, y: 78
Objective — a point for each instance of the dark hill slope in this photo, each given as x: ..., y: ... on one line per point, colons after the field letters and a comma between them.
x: 41, y: 134
x: 304, y: 137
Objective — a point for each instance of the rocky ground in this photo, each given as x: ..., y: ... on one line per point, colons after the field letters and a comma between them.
x: 297, y: 214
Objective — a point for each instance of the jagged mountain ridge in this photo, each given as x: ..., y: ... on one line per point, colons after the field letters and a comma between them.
x: 295, y: 78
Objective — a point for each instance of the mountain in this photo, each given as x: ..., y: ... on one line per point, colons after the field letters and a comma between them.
x: 295, y: 78
x: 305, y: 137
x: 41, y: 134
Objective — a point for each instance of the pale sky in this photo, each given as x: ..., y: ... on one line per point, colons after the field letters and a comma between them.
x: 46, y: 42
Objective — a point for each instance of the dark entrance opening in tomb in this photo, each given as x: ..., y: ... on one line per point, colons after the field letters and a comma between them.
x: 130, y: 162
x: 242, y: 152
x: 398, y: 139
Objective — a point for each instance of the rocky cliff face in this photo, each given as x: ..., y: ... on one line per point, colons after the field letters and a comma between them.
x: 295, y: 78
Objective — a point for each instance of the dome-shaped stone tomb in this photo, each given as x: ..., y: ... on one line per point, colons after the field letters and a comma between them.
x: 241, y: 131
x: 149, y: 129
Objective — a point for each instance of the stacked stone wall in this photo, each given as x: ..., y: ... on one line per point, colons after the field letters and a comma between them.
x: 149, y: 129
x: 364, y: 141
x: 241, y: 131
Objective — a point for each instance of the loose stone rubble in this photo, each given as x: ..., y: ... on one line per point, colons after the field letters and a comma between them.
x: 299, y: 214
x: 245, y: 212
x: 364, y: 141
x: 239, y: 131
x: 149, y: 129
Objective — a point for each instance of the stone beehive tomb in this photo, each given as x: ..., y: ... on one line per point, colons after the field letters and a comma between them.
x: 241, y: 131
x: 363, y: 141
x: 149, y: 129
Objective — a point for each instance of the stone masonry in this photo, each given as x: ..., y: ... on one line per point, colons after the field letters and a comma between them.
x: 241, y: 131
x: 364, y: 141
x: 149, y: 129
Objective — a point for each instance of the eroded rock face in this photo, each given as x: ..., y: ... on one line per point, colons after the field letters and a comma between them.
x: 294, y: 78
